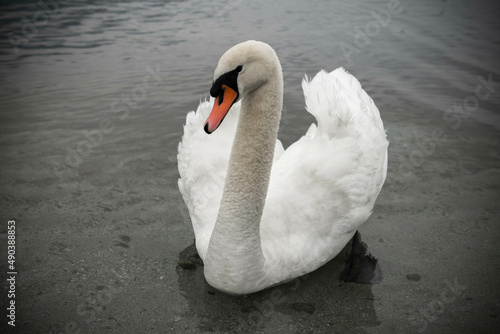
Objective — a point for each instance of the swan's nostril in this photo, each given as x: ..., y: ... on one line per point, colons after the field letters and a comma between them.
x: 221, y: 96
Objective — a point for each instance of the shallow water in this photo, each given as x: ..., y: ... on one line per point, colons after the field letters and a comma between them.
x: 94, y: 95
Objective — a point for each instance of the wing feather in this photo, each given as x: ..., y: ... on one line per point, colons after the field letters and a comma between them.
x: 324, y: 185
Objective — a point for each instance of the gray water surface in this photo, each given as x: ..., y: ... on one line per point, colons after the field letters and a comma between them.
x: 93, y: 100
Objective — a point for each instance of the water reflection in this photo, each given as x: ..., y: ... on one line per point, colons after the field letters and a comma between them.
x: 317, y: 301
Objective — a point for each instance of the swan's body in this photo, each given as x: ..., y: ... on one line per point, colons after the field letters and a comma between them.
x: 262, y: 215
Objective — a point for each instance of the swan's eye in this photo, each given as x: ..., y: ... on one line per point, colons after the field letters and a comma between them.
x: 229, y: 79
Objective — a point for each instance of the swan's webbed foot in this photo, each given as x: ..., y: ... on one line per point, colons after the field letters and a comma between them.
x: 361, y: 266
x: 189, y: 258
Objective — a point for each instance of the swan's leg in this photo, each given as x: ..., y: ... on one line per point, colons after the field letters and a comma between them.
x: 361, y: 266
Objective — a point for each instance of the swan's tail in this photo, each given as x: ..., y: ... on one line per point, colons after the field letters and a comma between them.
x: 338, y: 102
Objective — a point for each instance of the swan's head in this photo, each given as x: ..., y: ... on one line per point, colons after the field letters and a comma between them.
x: 242, y: 69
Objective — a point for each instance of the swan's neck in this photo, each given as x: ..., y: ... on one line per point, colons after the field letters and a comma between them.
x: 234, y: 258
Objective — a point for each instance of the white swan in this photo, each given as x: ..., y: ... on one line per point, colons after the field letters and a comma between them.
x: 262, y: 215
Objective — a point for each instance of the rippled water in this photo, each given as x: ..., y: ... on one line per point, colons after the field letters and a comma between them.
x: 96, y: 92
x: 70, y: 64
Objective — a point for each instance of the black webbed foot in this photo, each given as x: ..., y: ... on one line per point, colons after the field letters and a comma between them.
x: 361, y: 266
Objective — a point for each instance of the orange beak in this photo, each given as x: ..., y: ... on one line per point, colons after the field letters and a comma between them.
x: 222, y: 104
